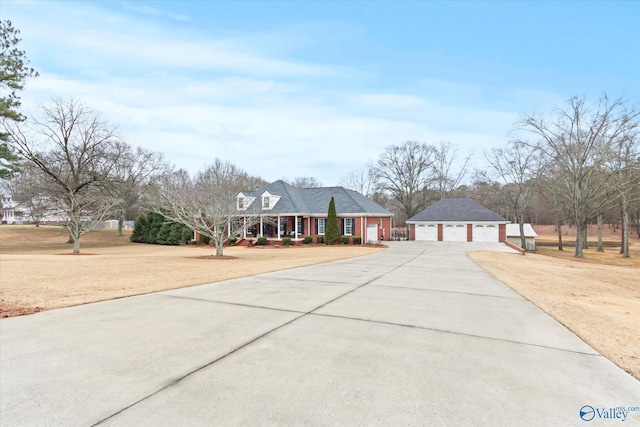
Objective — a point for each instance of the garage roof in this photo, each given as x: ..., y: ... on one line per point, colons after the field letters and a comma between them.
x: 457, y: 209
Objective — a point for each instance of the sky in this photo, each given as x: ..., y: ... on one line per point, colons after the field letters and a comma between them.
x: 319, y: 89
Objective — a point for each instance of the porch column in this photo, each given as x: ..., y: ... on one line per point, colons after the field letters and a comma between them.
x: 279, y: 233
x: 295, y: 225
x: 228, y: 229
x: 244, y: 227
x: 261, y: 232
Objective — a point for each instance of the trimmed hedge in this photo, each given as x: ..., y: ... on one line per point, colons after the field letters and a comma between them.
x: 307, y: 240
x: 203, y: 240
x: 154, y: 228
x: 286, y: 241
x: 357, y: 240
x: 261, y: 241
x: 344, y: 240
x: 320, y: 239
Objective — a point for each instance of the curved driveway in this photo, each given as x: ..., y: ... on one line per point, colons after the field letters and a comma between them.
x: 415, y: 335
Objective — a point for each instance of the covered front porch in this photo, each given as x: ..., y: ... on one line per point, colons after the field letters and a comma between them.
x: 278, y: 227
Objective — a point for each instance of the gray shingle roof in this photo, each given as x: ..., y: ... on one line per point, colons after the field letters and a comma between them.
x: 457, y: 209
x: 316, y: 200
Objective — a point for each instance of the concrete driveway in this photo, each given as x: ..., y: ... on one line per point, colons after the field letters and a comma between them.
x: 414, y: 335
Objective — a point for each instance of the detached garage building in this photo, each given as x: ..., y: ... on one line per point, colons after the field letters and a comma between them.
x: 457, y: 219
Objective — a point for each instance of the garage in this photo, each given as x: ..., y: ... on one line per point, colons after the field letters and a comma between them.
x: 485, y: 233
x: 428, y: 232
x: 454, y: 233
x: 457, y: 219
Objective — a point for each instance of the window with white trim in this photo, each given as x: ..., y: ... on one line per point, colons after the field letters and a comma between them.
x: 348, y: 226
x: 241, y: 203
x: 322, y: 223
x: 265, y: 202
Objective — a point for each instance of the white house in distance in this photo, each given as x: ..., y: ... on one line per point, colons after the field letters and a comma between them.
x: 513, y: 236
x: 457, y: 219
x: 9, y: 211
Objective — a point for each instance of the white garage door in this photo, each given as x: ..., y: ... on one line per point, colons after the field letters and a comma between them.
x: 485, y: 233
x: 427, y: 232
x: 454, y: 233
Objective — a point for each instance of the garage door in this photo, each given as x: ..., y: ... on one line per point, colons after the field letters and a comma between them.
x: 454, y: 233
x: 427, y: 232
x: 485, y: 233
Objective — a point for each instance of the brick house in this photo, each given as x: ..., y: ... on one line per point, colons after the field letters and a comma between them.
x: 298, y: 212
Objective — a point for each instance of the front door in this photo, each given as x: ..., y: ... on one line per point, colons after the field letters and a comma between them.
x: 372, y: 233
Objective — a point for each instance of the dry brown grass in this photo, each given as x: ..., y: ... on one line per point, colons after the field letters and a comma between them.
x: 597, y: 298
x: 38, y: 271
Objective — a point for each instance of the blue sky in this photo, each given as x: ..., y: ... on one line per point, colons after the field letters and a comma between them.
x: 287, y: 89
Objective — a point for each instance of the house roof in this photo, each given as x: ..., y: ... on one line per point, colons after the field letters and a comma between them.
x: 316, y: 200
x: 457, y: 209
x: 513, y: 230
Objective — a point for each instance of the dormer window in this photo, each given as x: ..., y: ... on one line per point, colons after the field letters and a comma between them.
x: 269, y: 200
x: 243, y: 202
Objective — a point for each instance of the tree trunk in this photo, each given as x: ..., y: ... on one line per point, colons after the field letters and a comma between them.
x: 625, y: 229
x: 76, y: 246
x: 636, y: 222
x: 581, y: 233
x: 120, y: 223
x: 585, y: 237
x: 559, y: 225
x: 219, y: 247
x: 523, y: 239
x: 600, y: 225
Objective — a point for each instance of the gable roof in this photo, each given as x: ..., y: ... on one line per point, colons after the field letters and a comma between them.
x: 457, y: 209
x: 315, y: 201
x: 513, y: 230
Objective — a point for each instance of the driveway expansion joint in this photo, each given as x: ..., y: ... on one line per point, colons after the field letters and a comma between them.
x: 517, y: 298
x: 235, y: 304
x: 446, y: 331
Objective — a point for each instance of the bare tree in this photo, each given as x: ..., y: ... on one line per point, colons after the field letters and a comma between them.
x: 134, y: 169
x: 360, y: 180
x: 75, y: 151
x: 580, y: 141
x: 305, y: 182
x: 208, y: 203
x: 449, y: 168
x: 405, y: 172
x: 625, y: 169
x: 519, y: 167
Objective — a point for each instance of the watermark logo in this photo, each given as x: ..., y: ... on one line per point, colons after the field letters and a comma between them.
x: 619, y: 413
x: 587, y: 413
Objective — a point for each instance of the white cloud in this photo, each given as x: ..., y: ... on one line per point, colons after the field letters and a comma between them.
x: 195, y: 97
x: 152, y: 11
